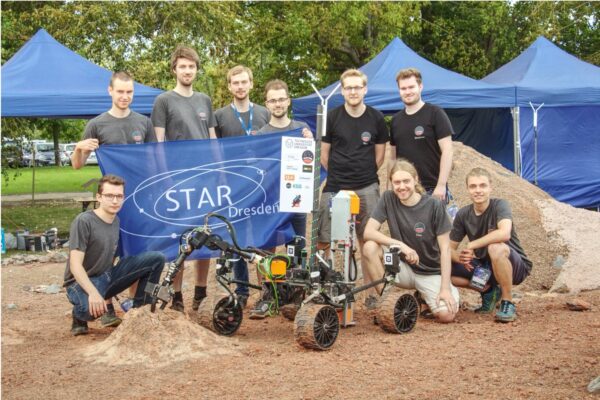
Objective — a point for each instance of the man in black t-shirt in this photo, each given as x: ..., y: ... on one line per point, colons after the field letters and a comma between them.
x: 352, y: 151
x: 493, y: 244
x: 422, y: 134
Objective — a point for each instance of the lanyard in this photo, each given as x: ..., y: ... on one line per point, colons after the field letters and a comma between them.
x: 247, y: 129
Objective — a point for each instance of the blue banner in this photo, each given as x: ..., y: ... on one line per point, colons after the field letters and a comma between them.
x: 171, y: 186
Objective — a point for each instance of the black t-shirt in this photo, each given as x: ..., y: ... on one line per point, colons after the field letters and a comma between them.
x: 416, y: 139
x: 476, y: 226
x: 352, y: 163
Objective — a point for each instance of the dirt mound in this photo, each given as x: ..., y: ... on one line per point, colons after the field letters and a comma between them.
x: 542, y: 245
x: 578, y: 230
x: 159, y: 339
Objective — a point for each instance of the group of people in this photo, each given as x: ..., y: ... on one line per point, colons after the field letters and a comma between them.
x: 352, y: 151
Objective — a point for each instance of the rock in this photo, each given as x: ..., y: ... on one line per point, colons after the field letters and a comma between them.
x: 44, y: 259
x: 558, y: 261
x: 594, y: 386
x: 11, y: 306
x: 52, y: 289
x: 562, y: 288
x: 578, y: 305
x: 31, y: 258
x: 58, y: 257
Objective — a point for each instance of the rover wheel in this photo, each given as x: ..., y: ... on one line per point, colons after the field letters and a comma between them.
x: 316, y: 326
x: 397, y: 312
x: 224, y: 317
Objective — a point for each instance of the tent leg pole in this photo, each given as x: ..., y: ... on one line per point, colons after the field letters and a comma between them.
x: 516, y: 140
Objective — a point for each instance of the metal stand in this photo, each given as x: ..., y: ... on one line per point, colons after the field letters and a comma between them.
x: 535, y: 141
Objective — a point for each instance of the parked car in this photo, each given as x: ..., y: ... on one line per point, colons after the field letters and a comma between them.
x: 44, y: 154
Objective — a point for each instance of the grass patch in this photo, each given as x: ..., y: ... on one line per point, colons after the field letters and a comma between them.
x: 39, y: 217
x: 50, y: 180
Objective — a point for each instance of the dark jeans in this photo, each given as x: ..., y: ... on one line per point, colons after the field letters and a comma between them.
x: 146, y: 267
x: 240, y: 272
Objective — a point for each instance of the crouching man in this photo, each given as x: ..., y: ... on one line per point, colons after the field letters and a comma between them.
x: 420, y: 227
x: 90, y: 277
x: 493, y: 254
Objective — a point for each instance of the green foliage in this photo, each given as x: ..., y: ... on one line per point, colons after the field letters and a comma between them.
x: 51, y: 179
x: 40, y: 217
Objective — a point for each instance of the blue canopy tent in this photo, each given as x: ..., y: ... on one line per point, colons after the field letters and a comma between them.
x: 488, y: 129
x: 568, y: 123
x: 46, y: 79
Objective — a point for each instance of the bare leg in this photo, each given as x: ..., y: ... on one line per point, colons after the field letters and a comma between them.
x: 371, y: 263
x: 502, y: 268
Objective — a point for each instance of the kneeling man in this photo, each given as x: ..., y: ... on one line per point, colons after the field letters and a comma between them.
x: 90, y: 277
x: 419, y: 226
x: 493, y: 245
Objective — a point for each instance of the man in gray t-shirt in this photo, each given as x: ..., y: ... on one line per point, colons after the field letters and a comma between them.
x: 183, y: 114
x: 240, y: 117
x: 119, y: 125
x: 419, y: 227
x: 493, y: 246
x: 90, y: 277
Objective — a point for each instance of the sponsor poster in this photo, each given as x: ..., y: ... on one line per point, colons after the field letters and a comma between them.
x: 296, y: 188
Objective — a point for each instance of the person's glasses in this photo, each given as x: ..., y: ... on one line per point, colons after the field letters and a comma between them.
x: 278, y: 101
x: 113, y: 197
x: 351, y: 89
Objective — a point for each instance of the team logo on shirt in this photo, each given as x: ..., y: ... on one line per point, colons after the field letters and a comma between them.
x: 308, y: 157
x: 419, y: 229
x: 419, y: 131
x: 366, y: 138
x: 202, y: 115
x: 137, y: 136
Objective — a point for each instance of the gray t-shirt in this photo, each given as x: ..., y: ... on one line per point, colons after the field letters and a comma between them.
x: 467, y: 223
x: 183, y: 118
x: 97, y: 239
x: 268, y: 128
x: 228, y: 123
x: 417, y: 226
x: 133, y: 129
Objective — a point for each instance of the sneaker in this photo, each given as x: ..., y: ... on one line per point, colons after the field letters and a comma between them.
x: 243, y: 300
x: 109, y: 319
x: 424, y: 310
x: 489, y: 300
x: 196, y: 303
x: 507, y: 312
x: 177, y: 305
x: 261, y: 310
x: 79, y: 327
x: 371, y: 302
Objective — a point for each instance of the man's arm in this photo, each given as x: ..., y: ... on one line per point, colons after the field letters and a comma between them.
x: 160, y: 134
x: 379, y: 154
x: 325, y: 149
x: 82, y: 151
x: 212, y: 134
x: 97, y: 306
x: 445, y: 167
x: 500, y: 235
x: 390, y: 164
x: 454, y: 251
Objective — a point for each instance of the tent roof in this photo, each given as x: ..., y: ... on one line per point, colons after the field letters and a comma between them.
x: 46, y: 79
x: 544, y: 73
x: 440, y: 86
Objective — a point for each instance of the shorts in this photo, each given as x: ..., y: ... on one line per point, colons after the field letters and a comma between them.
x: 519, y: 269
x: 369, y: 196
x: 427, y: 285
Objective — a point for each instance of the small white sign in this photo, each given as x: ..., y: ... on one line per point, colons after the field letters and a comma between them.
x: 297, y: 175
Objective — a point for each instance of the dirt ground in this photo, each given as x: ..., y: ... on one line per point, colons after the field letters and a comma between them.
x: 550, y: 352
